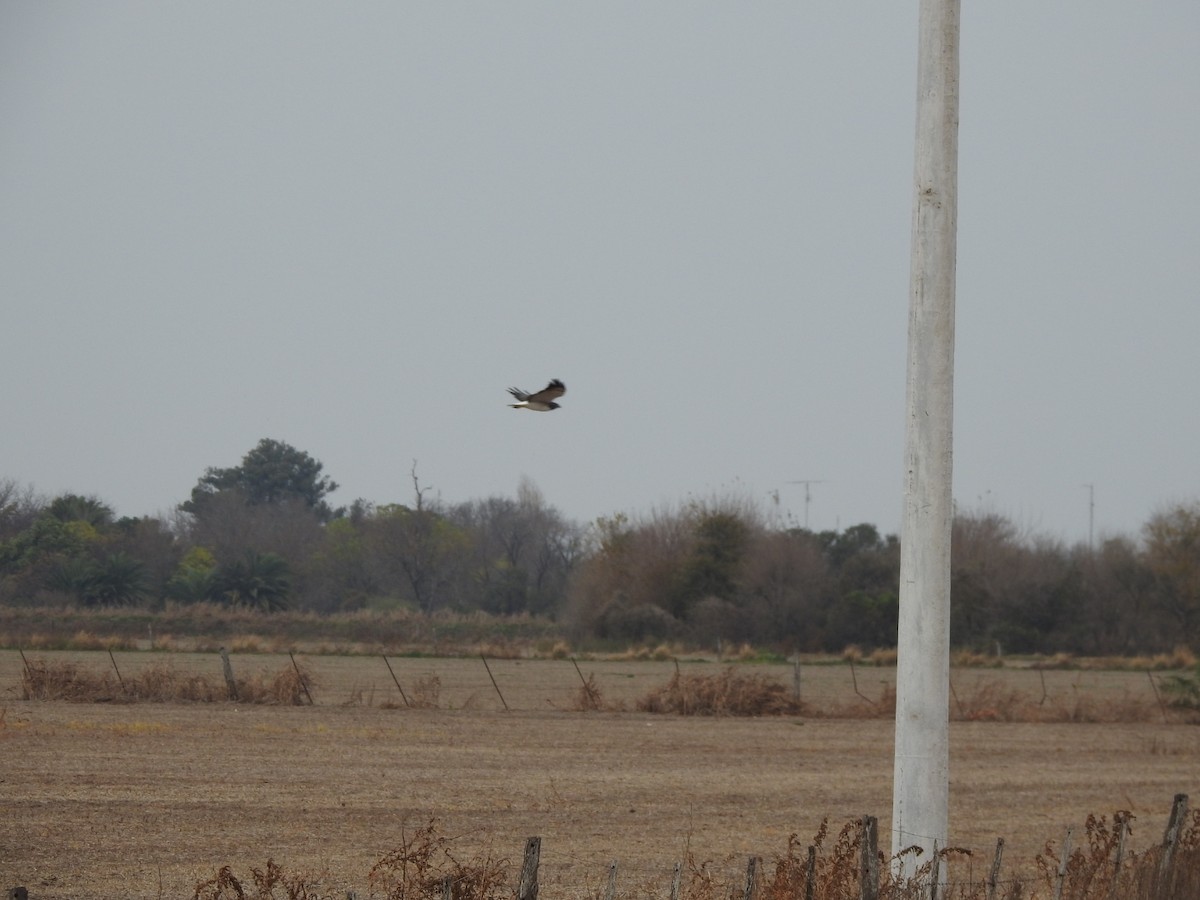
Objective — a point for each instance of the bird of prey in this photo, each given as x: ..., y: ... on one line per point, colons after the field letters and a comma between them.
x: 542, y: 401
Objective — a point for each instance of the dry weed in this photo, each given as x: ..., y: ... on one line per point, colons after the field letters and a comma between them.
x: 425, y: 693
x: 268, y: 884
x: 423, y: 868
x: 729, y: 693
x: 1103, y: 867
x: 159, y: 682
x: 588, y: 698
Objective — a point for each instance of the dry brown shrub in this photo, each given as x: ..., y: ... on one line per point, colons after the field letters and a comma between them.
x: 225, y: 886
x: 425, y: 692
x: 162, y: 683
x: 995, y: 701
x: 159, y: 682
x: 422, y: 867
x: 66, y: 681
x: 728, y: 693
x: 220, y: 886
x: 991, y: 701
x: 588, y: 698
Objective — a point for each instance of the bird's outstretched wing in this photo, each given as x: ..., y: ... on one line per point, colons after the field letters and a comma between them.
x: 552, y: 391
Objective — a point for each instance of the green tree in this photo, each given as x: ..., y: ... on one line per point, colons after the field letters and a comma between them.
x: 720, y: 539
x: 77, y: 508
x: 272, y: 473
x: 1173, y: 556
x: 115, y: 580
x: 195, y: 580
x: 258, y: 580
x: 118, y: 579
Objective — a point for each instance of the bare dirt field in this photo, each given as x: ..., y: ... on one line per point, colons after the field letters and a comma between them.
x: 146, y: 799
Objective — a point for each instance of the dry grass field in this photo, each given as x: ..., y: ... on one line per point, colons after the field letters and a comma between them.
x: 121, y: 799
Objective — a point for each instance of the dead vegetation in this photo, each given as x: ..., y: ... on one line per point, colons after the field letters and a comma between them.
x: 423, y: 867
x: 728, y: 693
x: 159, y: 682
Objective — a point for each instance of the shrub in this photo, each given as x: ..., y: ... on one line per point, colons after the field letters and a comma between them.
x: 729, y: 693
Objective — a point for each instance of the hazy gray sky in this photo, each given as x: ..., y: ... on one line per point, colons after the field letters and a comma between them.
x: 351, y: 226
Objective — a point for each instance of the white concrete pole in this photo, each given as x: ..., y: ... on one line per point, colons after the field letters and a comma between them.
x: 920, y: 798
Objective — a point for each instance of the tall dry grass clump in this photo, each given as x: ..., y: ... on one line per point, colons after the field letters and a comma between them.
x: 159, y: 682
x: 423, y: 868
x: 588, y: 697
x: 729, y: 693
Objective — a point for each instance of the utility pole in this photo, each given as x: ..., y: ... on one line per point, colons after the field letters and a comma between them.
x: 921, y: 784
x: 807, y: 496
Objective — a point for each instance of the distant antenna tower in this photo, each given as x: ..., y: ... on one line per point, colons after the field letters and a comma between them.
x: 1091, y: 489
x: 808, y: 483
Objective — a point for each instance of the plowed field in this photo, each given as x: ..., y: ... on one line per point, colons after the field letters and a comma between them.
x: 146, y: 799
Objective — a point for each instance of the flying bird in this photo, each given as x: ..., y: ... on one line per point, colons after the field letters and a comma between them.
x: 542, y: 401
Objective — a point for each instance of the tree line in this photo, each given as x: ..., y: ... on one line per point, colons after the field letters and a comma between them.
x: 262, y: 534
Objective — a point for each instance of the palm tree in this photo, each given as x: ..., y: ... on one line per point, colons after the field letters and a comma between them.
x: 260, y: 580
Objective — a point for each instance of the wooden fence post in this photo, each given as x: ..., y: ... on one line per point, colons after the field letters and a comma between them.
x: 1122, y: 823
x: 868, y: 859
x: 303, y: 684
x: 610, y: 892
x: 796, y: 681
x: 448, y: 888
x: 120, y: 680
x: 493, y: 677
x: 227, y: 669
x: 1166, y: 867
x: 1062, y: 864
x: 935, y: 872
x: 527, y: 886
x: 403, y: 696
x: 677, y: 881
x: 751, y: 879
x: 810, y: 883
x: 994, y: 875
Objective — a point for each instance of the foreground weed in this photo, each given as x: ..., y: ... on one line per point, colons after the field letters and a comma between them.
x: 271, y: 883
x: 423, y: 868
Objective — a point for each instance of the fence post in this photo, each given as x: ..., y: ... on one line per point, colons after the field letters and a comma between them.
x: 120, y: 680
x: 493, y: 677
x: 227, y: 669
x: 1162, y: 707
x: 1122, y: 822
x: 403, y: 696
x: 751, y: 879
x: 1166, y: 868
x: 810, y: 884
x: 796, y: 680
x: 448, y: 888
x: 303, y: 685
x: 935, y: 872
x: 676, y: 881
x: 610, y: 893
x: 868, y: 859
x: 994, y: 876
x: 527, y: 886
x: 1062, y: 864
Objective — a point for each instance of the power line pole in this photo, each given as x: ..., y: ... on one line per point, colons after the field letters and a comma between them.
x: 921, y: 784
